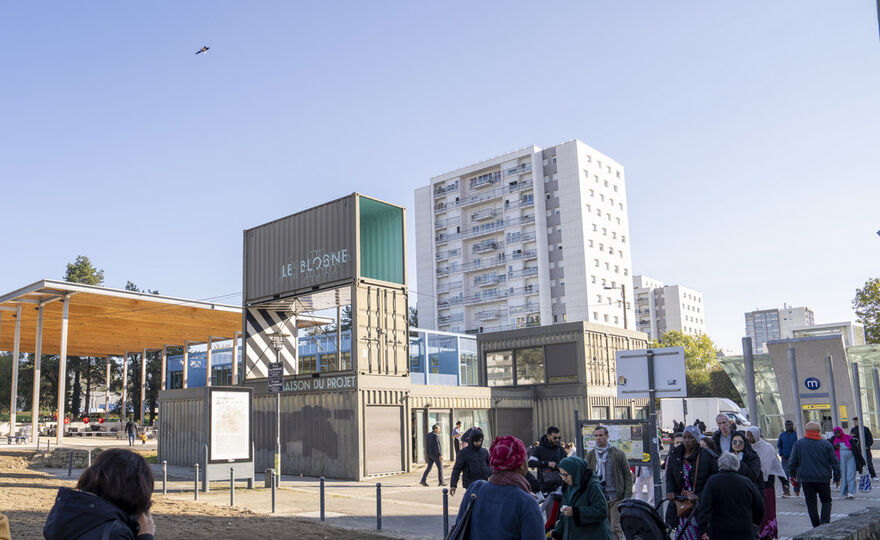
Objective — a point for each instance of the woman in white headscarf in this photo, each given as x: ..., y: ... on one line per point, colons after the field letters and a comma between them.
x: 770, y: 466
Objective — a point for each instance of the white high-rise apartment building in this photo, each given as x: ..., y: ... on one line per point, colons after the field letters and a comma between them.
x: 763, y: 325
x: 660, y: 308
x: 532, y: 237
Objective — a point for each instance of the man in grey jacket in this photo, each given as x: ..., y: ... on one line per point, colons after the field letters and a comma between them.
x: 812, y: 464
x: 612, y: 468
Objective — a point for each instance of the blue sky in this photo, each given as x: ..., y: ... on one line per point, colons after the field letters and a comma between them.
x: 748, y: 131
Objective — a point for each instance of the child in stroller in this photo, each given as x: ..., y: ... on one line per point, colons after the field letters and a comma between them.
x: 641, y: 521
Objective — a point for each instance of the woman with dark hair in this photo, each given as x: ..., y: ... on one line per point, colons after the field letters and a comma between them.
x: 750, y: 462
x: 111, y: 501
x: 688, y: 468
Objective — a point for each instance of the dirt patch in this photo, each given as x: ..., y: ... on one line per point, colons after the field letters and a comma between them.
x: 27, y: 495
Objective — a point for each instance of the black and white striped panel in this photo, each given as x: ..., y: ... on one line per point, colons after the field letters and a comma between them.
x: 261, y: 324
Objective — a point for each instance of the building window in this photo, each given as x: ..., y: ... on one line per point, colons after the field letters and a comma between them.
x: 599, y: 413
x: 595, y: 315
x: 530, y: 366
x: 622, y: 413
x: 499, y: 368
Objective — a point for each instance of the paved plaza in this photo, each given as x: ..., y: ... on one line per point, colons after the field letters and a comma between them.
x: 408, y: 509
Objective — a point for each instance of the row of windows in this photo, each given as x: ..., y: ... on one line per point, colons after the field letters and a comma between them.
x: 519, y: 367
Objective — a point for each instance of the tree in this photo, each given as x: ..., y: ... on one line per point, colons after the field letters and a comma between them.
x: 413, y: 317
x: 82, y: 271
x: 131, y: 286
x: 867, y: 306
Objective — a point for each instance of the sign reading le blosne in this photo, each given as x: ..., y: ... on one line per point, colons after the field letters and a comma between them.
x: 309, y: 249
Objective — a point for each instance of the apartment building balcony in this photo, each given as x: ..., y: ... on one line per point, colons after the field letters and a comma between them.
x: 519, y: 169
x: 521, y: 237
x: 448, y: 222
x: 488, y: 315
x: 453, y: 301
x: 485, y: 263
x: 443, y: 255
x: 526, y: 290
x: 451, y: 269
x: 490, y: 295
x: 449, y: 319
x: 524, y: 255
x: 485, y: 213
x: 484, y: 180
x: 447, y: 287
x: 528, y: 307
x: 487, y: 245
x: 489, y: 279
x: 440, y: 191
x: 524, y: 202
x: 482, y: 196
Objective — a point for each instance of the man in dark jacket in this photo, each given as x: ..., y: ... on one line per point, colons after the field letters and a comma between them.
x: 131, y: 430
x: 84, y: 515
x: 472, y: 463
x: 730, y: 504
x: 869, y: 440
x: 722, y: 435
x: 546, y: 459
x: 812, y: 464
x: 433, y: 455
x: 785, y: 443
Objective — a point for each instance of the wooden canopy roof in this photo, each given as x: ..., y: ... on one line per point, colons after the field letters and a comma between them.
x: 103, y: 321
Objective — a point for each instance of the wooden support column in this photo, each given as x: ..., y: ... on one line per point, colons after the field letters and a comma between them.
x: 208, y: 362
x: 235, y: 357
x: 124, y: 385
x: 16, y: 351
x: 143, y: 383
x: 163, y: 385
x: 185, y: 382
x: 107, y: 388
x: 62, y: 372
x: 38, y: 356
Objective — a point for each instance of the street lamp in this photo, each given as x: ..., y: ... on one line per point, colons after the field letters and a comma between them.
x: 623, y: 303
x: 278, y: 339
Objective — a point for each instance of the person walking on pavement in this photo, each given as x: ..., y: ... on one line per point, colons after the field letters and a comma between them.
x: 131, y: 430
x: 849, y: 454
x: 471, y: 464
x: 812, y: 464
x: 750, y: 463
x: 785, y: 442
x: 688, y: 468
x: 546, y: 459
x: 456, y: 438
x: 770, y: 467
x: 722, y: 436
x: 730, y: 505
x: 503, y: 507
x: 868, y: 442
x: 584, y: 512
x: 612, y: 469
x: 433, y: 455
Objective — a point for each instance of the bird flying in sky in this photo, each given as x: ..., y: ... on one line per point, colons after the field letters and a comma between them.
x: 203, y: 50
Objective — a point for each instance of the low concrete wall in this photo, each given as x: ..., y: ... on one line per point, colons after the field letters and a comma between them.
x: 861, y: 525
x: 60, y: 458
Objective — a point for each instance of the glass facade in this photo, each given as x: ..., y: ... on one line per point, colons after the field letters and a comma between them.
x: 221, y: 368
x: 868, y: 358
x: 442, y: 358
x: 766, y: 389
x: 317, y: 354
x: 499, y: 368
x: 530, y: 366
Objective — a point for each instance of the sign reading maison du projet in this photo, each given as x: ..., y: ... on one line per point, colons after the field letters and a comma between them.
x: 320, y: 384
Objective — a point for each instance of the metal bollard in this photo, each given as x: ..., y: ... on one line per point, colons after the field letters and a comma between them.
x: 206, y: 487
x: 445, y: 512
x: 196, y: 482
x: 378, y: 506
x: 231, y: 486
x: 273, y: 490
x: 70, y: 464
x: 322, y: 498
x: 164, y: 477
x: 89, y: 454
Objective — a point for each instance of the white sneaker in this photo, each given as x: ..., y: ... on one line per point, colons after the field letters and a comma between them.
x: 850, y: 496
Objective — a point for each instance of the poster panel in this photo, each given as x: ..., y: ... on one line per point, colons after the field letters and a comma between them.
x: 230, y: 425
x: 631, y: 437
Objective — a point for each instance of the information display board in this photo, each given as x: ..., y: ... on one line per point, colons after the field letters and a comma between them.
x: 230, y: 425
x: 276, y: 377
x: 631, y: 436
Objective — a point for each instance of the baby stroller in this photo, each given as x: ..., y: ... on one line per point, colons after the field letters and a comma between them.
x: 641, y: 521
x: 550, y: 509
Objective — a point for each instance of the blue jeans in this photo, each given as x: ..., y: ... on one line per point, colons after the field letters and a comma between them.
x: 848, y: 483
x: 130, y: 439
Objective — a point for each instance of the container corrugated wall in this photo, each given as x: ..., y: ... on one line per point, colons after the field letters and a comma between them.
x: 305, y: 241
x: 319, y: 433
x: 184, y: 421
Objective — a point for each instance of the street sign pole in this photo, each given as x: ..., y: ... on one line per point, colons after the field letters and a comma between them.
x: 652, y: 415
x: 276, y: 385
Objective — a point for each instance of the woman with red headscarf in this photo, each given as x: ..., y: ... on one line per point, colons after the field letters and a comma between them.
x: 503, y: 507
x: 849, y: 453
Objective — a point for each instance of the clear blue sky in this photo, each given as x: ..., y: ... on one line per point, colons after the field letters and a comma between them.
x: 748, y: 130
